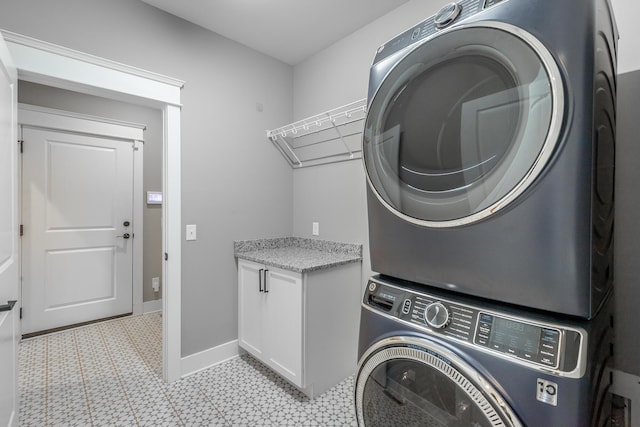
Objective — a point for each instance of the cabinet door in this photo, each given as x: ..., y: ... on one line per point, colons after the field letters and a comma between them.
x: 251, y: 304
x: 284, y: 320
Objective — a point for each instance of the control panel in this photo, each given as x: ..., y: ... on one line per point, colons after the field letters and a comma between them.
x: 522, y: 340
x: 449, y: 14
x: 525, y: 339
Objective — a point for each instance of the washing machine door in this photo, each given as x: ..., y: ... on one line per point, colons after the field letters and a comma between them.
x: 462, y: 124
x: 406, y: 381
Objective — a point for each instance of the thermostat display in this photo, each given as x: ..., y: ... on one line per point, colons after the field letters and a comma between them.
x: 154, y: 197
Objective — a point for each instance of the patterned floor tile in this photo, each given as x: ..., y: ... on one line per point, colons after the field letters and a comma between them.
x: 109, y: 374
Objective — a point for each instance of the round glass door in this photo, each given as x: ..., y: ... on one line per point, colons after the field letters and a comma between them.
x: 463, y: 124
x: 410, y: 382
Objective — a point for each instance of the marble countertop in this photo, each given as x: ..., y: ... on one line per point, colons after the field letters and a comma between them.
x: 297, y: 254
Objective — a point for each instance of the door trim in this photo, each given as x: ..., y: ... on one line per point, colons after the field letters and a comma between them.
x: 45, y: 63
x: 66, y: 121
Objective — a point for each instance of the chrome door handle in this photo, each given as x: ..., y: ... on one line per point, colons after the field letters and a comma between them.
x: 124, y: 236
x: 8, y: 306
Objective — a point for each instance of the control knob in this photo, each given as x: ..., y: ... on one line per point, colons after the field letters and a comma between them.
x: 447, y: 14
x: 436, y: 315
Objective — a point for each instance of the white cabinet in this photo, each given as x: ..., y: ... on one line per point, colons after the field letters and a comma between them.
x: 270, y: 317
x: 304, y: 326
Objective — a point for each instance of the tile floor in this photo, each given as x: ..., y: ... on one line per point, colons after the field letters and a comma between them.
x: 108, y: 374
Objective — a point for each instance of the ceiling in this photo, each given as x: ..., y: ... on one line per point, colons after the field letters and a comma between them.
x: 289, y: 30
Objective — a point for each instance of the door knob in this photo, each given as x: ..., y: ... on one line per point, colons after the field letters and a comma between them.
x: 125, y: 236
x: 126, y: 223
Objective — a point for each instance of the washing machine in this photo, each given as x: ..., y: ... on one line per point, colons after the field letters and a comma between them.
x: 433, y: 358
x: 489, y: 152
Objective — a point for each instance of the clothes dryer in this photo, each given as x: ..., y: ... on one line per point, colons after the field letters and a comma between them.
x: 489, y: 152
x: 432, y: 358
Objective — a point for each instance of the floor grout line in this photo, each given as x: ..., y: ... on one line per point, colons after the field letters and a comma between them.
x: 46, y: 393
x: 84, y: 384
x: 117, y: 374
x: 144, y: 359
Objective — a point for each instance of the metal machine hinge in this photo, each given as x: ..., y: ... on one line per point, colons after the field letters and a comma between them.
x: 21, y: 230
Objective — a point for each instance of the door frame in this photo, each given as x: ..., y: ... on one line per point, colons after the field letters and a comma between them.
x: 49, y: 64
x: 66, y: 121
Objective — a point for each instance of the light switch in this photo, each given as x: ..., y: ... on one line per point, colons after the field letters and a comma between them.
x: 191, y: 232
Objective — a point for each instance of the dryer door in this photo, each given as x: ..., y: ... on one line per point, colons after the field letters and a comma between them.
x: 462, y: 124
x: 405, y: 381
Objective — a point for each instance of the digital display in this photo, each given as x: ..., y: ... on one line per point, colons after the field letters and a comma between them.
x: 154, y: 198
x: 509, y: 334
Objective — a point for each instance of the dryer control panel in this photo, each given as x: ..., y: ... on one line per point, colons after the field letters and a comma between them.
x: 449, y: 14
x: 520, y: 336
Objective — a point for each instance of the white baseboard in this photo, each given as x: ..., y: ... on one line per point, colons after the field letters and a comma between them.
x: 628, y: 385
x: 210, y: 357
x: 150, y: 306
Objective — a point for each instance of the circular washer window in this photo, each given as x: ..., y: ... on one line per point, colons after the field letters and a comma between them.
x: 463, y: 124
x: 412, y: 382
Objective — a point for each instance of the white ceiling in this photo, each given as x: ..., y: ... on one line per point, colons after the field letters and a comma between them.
x: 289, y: 30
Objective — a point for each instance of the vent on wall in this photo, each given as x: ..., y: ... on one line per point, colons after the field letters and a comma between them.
x: 332, y: 136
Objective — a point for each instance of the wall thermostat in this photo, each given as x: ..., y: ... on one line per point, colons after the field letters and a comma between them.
x: 154, y: 197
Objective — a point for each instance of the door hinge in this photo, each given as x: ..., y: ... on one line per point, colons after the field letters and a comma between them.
x: 20, y: 312
x: 21, y: 230
x: 20, y: 143
x: 166, y: 256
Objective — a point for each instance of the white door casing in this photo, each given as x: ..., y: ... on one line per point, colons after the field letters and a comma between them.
x: 9, y: 254
x: 46, y: 63
x: 77, y: 194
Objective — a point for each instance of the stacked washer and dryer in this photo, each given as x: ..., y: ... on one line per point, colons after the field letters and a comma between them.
x: 489, y: 154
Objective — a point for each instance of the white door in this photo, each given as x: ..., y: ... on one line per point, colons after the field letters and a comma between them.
x: 77, y: 213
x: 9, y: 277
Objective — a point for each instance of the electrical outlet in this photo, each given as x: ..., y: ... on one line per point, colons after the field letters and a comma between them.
x: 316, y: 229
x: 155, y: 284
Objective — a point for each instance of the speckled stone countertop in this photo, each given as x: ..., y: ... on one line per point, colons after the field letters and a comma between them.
x: 297, y: 254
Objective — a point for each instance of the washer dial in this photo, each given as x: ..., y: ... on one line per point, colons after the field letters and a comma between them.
x: 436, y: 315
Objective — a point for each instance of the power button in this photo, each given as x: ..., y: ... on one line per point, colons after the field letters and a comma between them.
x: 447, y: 15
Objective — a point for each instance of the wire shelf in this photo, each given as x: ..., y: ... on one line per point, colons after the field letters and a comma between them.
x: 332, y: 136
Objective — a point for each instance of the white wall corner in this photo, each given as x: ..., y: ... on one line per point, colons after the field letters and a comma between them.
x: 210, y: 357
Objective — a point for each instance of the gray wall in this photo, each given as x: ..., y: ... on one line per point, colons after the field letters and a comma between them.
x: 627, y: 244
x: 235, y: 185
x: 46, y: 96
x: 334, y: 195
x: 627, y: 247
